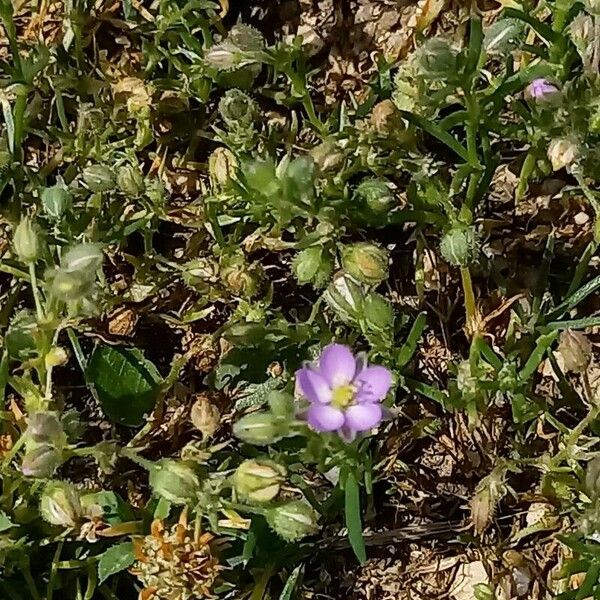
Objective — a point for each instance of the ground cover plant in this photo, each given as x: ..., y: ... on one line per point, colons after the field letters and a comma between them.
x: 299, y: 299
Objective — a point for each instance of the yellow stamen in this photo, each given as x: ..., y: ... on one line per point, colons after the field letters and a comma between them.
x: 342, y: 396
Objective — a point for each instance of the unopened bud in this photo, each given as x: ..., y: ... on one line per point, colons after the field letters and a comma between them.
x: 237, y: 109
x: 45, y: 426
x: 240, y: 277
x: 83, y: 258
x: 174, y: 481
x: 576, y: 351
x: 26, y: 240
x: 222, y: 166
x: 376, y: 194
x: 293, y: 521
x: 56, y: 357
x: 541, y: 91
x: 205, y: 417
x: 345, y: 297
x: 460, y: 246
x: 41, y: 461
x: 258, y: 480
x: 563, y: 153
x: 131, y: 181
x: 56, y: 200
x: 327, y: 156
x: 437, y: 59
x: 60, y: 504
x: 261, y: 428
x: 386, y: 118
x: 366, y: 262
x: 99, y: 178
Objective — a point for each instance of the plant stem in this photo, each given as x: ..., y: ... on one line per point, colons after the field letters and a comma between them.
x: 54, y: 570
x: 471, y: 311
x: 36, y: 292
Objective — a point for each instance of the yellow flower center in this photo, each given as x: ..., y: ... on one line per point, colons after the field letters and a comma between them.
x: 342, y: 396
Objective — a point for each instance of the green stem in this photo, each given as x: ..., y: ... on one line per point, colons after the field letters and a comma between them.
x: 54, y: 570
x: 470, y: 304
x: 36, y: 293
x: 25, y: 569
x: 261, y: 585
x: 582, y: 267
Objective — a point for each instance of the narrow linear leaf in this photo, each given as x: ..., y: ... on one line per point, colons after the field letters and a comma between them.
x: 544, y: 342
x: 291, y: 584
x: 579, y: 296
x: 410, y: 345
x: 353, y: 519
x: 436, y: 131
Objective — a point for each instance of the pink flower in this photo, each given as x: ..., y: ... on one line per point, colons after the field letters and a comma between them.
x: 344, y: 393
x: 541, y: 90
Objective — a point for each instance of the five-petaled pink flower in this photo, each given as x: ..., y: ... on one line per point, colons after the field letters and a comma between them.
x: 344, y: 393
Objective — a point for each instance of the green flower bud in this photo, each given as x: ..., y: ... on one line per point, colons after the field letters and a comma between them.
x: 281, y: 405
x: 223, y: 57
x: 174, y: 481
x: 70, y: 287
x: 261, y: 428
x: 436, y: 59
x: 293, y: 521
x: 593, y: 7
x: 26, y: 241
x: 60, y: 504
x: 386, y: 118
x: 237, y: 109
x: 313, y: 264
x: 261, y: 176
x: 20, y: 337
x: 460, y: 246
x: 345, y: 297
x: 258, y: 480
x: 366, y: 262
x: 205, y: 417
x: 41, y: 461
x: 563, y: 154
x: 376, y: 194
x: 45, y: 426
x: 200, y: 271
x: 576, y: 351
x: 222, y: 166
x: 246, y: 38
x: 327, y: 156
x: 83, y: 259
x: 98, y: 178
x: 56, y: 200
x: 131, y: 181
x: 240, y: 278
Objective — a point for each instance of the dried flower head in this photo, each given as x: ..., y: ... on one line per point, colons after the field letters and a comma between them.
x: 176, y: 563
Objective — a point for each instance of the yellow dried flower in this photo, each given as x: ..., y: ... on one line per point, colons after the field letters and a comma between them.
x: 175, y: 563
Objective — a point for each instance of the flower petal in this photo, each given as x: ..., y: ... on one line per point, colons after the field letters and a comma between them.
x: 337, y: 364
x: 323, y: 417
x: 313, y: 386
x: 373, y: 384
x: 362, y: 417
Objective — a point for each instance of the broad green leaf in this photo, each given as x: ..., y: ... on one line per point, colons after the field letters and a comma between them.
x: 115, y: 559
x: 127, y: 385
x: 5, y: 522
x: 353, y: 520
